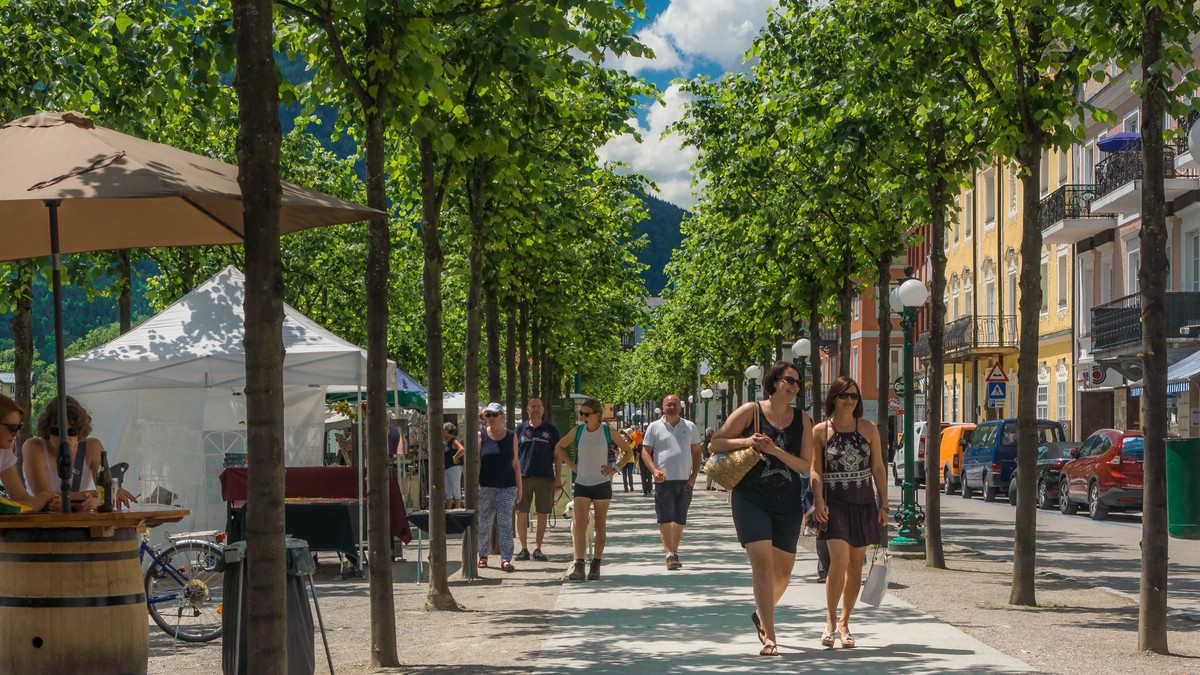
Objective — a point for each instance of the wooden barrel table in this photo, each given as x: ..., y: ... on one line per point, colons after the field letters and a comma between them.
x: 72, y: 598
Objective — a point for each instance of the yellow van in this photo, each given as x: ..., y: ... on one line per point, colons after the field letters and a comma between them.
x: 954, y: 440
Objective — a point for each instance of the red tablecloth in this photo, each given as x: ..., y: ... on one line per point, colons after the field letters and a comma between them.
x: 331, y: 482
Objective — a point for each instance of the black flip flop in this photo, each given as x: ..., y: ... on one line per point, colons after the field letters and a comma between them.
x: 762, y: 634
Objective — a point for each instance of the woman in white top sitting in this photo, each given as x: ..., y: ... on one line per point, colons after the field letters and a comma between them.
x: 594, y: 468
x: 41, y: 455
x: 12, y: 420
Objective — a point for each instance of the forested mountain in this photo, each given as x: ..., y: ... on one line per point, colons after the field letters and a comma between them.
x: 662, y: 227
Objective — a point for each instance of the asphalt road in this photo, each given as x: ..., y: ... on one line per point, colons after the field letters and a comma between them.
x: 1106, y: 554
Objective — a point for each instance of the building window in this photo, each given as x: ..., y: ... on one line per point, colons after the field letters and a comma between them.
x: 1043, y: 401
x: 1044, y: 171
x: 968, y: 298
x: 1064, y: 278
x: 1012, y: 192
x: 854, y: 363
x: 989, y: 198
x: 1063, y: 165
x: 1133, y: 265
x: 958, y: 219
x: 1062, y: 401
x: 1132, y: 122
x: 1045, y: 283
x: 969, y: 214
x: 1087, y: 163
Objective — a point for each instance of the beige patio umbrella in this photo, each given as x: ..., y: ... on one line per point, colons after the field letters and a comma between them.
x: 69, y: 186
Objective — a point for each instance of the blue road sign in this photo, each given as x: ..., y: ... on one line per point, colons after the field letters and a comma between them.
x: 997, y: 391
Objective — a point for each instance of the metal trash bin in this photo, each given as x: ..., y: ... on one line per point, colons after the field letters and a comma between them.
x: 1183, y: 475
x: 300, y: 634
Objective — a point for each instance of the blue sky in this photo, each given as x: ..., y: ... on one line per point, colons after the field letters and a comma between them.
x: 689, y: 37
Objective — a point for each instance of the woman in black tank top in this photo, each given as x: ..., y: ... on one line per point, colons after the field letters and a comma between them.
x: 768, y: 503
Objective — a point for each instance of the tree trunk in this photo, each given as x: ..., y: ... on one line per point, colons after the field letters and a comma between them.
x: 379, y: 531
x: 1025, y: 540
x: 22, y: 330
x: 510, y: 365
x: 935, y: 555
x: 439, y: 596
x: 125, y: 299
x: 814, y: 327
x: 1152, y: 610
x: 470, y: 432
x: 258, y: 141
x: 492, y: 307
x: 523, y: 350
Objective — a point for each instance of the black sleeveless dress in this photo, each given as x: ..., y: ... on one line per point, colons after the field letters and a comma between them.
x: 849, y: 489
x: 771, y: 483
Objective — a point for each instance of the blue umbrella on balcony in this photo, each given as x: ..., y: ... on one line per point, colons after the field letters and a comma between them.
x: 1126, y: 140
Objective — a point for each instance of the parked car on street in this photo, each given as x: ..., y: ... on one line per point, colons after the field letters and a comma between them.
x: 921, y: 433
x: 1051, y: 459
x: 1106, y: 475
x: 991, y: 457
x: 955, y: 439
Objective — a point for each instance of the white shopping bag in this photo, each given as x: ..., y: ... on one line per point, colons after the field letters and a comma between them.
x: 876, y: 585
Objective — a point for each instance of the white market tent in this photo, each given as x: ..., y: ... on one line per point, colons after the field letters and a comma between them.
x: 167, y: 396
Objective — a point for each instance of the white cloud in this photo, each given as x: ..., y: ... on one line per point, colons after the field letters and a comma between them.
x: 716, y: 30
x: 666, y: 58
x: 659, y: 157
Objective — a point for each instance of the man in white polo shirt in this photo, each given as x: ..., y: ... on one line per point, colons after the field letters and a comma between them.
x: 671, y: 450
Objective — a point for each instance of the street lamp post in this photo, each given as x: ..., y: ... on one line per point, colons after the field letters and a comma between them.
x: 692, y: 406
x: 801, y: 350
x: 706, y: 394
x: 752, y: 373
x: 910, y: 294
x: 723, y: 388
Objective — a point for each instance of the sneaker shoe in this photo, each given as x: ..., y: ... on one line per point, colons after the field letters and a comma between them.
x: 673, y: 562
x: 523, y: 555
x: 594, y: 572
x: 539, y: 556
x: 577, y: 574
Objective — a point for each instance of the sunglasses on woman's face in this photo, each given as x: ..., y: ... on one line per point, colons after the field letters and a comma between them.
x: 791, y: 380
x: 853, y: 396
x: 586, y: 413
x: 491, y: 414
x: 15, y: 428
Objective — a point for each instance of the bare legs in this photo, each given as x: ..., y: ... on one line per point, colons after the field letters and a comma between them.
x: 772, y: 570
x: 843, y: 583
x: 579, y: 523
x: 523, y: 529
x: 672, y: 534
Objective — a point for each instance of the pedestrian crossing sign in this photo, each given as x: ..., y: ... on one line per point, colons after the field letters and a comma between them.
x: 997, y: 390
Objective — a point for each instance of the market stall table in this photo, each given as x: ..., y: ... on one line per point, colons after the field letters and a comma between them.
x: 72, y: 599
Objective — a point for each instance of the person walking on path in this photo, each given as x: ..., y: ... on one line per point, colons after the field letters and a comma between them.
x: 768, y: 503
x: 671, y: 450
x: 643, y: 470
x: 848, y: 459
x: 499, y: 484
x: 627, y: 470
x: 593, y: 467
x: 705, y: 453
x: 453, y: 451
x: 541, y: 476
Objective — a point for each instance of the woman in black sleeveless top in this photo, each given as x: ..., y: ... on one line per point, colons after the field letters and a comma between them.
x: 768, y: 504
x: 850, y: 499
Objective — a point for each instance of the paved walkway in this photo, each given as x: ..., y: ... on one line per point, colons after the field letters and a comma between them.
x: 641, y: 618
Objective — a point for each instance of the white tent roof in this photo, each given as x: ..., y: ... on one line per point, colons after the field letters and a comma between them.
x: 199, y: 342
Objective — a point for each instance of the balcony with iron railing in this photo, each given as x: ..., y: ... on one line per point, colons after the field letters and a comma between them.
x: 1186, y: 157
x: 1119, y: 180
x: 972, y: 336
x: 1067, y: 216
x: 1119, y: 322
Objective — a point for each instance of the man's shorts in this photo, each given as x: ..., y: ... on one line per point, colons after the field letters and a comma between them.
x: 671, y: 501
x: 539, y: 491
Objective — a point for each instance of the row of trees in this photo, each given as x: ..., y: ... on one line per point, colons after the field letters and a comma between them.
x: 477, y: 124
x: 857, y: 125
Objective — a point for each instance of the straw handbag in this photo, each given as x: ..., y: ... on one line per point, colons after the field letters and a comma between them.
x: 729, y: 468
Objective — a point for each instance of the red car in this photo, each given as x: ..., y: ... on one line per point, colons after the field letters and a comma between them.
x: 1106, y: 474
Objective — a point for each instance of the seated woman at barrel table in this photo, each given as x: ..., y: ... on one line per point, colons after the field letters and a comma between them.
x: 41, y: 463
x: 12, y: 420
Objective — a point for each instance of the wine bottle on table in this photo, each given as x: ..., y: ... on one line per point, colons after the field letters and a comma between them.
x: 104, y: 486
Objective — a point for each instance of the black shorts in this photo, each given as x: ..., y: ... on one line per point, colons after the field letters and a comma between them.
x: 671, y: 501
x: 753, y: 523
x: 594, y: 492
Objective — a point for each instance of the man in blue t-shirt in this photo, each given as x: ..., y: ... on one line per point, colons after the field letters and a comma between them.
x: 541, y: 475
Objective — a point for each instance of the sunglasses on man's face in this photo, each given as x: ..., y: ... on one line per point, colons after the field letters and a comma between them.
x: 15, y: 428
x: 489, y: 414
x: 853, y: 396
x: 790, y: 380
x: 71, y: 431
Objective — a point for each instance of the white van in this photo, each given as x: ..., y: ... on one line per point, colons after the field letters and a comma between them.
x: 921, y: 431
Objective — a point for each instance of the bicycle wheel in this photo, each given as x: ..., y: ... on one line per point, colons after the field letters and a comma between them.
x: 184, y: 591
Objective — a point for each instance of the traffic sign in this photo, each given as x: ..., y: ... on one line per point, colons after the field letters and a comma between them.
x: 995, y: 403
x: 996, y: 374
x: 997, y: 391
x: 898, y: 386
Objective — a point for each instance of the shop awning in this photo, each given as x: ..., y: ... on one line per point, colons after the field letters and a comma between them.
x: 1178, y: 376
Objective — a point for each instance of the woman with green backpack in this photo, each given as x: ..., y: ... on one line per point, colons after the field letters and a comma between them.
x: 594, y: 462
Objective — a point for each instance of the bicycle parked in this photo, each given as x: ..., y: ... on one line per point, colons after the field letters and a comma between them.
x: 184, y: 582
